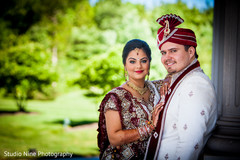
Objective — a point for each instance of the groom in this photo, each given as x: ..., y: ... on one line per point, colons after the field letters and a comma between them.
x: 190, y: 111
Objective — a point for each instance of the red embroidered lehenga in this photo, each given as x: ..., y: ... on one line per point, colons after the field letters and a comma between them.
x: 133, y: 112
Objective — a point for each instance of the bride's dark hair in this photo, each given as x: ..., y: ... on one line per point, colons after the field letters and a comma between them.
x: 136, y: 43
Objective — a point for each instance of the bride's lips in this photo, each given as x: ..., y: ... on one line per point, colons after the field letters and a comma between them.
x: 139, y: 71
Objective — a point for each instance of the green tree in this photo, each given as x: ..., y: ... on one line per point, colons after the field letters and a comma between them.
x: 104, y: 73
x: 80, y: 38
x: 125, y: 19
x: 22, y: 14
x: 51, y: 24
x: 24, y: 69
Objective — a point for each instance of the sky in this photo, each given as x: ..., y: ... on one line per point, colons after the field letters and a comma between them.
x: 200, y: 4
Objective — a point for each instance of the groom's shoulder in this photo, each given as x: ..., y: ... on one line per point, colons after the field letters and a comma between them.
x: 198, y: 79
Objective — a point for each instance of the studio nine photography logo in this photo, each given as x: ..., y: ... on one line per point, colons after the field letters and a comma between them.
x: 38, y: 154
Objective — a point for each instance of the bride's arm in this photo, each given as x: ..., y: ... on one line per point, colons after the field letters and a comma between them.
x: 116, y: 135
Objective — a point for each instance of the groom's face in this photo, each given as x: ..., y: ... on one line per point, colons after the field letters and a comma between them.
x: 175, y: 58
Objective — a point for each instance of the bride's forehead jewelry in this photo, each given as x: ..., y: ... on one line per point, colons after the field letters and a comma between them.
x: 137, y: 50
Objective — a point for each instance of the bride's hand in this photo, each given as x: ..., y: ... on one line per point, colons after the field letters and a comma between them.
x: 165, y: 85
x: 158, y: 108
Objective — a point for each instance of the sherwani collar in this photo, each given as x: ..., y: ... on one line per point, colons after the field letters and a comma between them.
x: 176, y: 75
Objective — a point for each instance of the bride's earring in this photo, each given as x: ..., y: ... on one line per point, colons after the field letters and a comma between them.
x: 148, y: 75
x: 125, y: 74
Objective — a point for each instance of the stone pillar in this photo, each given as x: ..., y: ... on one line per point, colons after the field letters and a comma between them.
x: 225, y: 141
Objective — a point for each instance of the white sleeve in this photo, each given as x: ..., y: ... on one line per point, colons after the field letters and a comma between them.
x: 196, y: 106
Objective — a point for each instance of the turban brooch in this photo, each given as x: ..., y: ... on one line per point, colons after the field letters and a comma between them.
x: 169, y: 32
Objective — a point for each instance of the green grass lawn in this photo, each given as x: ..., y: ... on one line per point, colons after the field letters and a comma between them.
x: 42, y: 129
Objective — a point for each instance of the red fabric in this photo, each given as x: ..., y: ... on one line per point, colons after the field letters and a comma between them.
x: 181, y: 36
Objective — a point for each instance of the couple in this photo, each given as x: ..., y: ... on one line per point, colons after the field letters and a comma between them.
x: 164, y: 119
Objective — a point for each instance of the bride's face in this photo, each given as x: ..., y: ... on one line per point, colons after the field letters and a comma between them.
x: 137, y: 64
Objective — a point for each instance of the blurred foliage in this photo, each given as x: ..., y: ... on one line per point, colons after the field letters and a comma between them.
x: 106, y: 73
x: 48, y: 46
x: 24, y: 69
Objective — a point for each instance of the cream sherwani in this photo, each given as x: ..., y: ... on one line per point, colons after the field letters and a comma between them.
x: 190, y: 117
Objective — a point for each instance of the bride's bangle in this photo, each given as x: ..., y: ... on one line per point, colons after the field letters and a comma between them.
x: 146, y: 130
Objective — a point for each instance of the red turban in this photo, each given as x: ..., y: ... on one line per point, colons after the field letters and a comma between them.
x: 168, y: 33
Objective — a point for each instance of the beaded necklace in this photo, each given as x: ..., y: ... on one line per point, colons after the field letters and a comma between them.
x: 140, y: 90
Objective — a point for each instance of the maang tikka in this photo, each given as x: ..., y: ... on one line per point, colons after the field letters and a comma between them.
x: 137, y: 50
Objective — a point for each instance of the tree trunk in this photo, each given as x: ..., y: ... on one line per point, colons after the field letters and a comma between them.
x: 21, y: 103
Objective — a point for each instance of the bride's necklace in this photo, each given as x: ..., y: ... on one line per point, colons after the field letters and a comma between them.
x: 140, y: 90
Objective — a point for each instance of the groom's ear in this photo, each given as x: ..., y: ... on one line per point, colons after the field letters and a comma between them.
x: 191, y: 51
